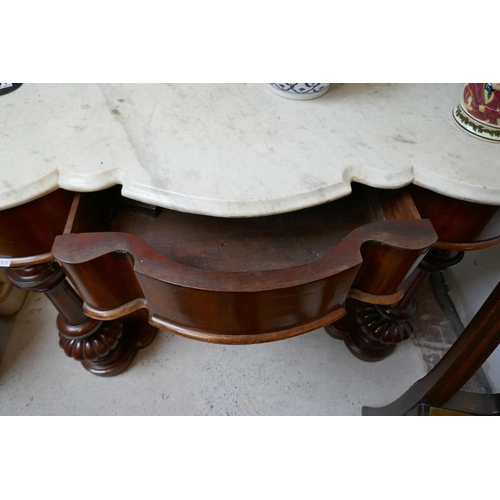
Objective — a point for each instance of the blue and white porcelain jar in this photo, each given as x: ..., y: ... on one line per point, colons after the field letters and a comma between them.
x: 299, y: 91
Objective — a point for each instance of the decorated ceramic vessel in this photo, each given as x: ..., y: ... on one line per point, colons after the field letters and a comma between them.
x: 299, y: 91
x: 7, y: 88
x: 479, y: 110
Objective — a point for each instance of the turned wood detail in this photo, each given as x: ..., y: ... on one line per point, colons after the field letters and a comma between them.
x: 96, y: 344
x: 387, y: 325
x: 372, y: 332
x: 390, y: 325
x: 49, y: 279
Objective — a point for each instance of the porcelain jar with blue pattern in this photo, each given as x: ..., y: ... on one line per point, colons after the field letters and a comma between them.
x: 299, y: 91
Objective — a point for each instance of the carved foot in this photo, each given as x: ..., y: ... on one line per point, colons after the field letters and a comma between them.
x: 110, y: 349
x: 379, y: 330
x: 372, y: 332
x: 103, y: 348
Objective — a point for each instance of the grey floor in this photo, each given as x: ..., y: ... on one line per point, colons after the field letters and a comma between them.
x: 312, y: 374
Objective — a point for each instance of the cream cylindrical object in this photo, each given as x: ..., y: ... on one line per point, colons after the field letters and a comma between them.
x: 11, y: 297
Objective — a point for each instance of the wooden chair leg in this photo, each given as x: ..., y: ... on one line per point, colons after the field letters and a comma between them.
x: 457, y: 366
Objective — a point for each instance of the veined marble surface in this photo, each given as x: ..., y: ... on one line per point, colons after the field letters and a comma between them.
x: 237, y: 149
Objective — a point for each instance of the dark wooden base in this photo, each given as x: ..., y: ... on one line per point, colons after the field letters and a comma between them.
x: 372, y: 332
x: 103, y: 347
x: 379, y: 330
x: 135, y: 335
x: 360, y: 346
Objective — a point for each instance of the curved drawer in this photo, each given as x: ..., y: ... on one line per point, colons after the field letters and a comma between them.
x: 116, y: 273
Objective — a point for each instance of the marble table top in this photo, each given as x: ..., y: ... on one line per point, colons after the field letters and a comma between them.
x: 238, y: 150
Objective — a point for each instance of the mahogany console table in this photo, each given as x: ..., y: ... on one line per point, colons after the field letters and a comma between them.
x: 226, y: 214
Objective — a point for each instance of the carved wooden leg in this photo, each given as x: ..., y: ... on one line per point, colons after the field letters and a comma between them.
x: 103, y: 348
x: 372, y: 332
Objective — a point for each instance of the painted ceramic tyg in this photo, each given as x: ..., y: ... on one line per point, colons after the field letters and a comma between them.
x: 479, y: 110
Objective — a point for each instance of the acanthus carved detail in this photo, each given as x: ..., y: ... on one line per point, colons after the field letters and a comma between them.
x: 386, y: 325
x: 93, y: 347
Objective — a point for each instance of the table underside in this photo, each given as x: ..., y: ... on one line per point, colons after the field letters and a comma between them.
x: 134, y: 267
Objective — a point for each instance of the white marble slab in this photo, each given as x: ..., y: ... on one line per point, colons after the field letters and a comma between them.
x: 235, y: 149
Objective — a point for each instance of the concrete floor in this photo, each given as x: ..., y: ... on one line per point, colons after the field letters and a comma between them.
x: 312, y: 374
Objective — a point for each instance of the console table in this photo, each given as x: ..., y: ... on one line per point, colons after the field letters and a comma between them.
x: 226, y: 214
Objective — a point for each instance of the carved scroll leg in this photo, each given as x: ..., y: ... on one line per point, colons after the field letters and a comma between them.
x: 103, y: 348
x: 372, y: 332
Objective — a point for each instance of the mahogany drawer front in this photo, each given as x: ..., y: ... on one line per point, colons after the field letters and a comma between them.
x: 239, y: 280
